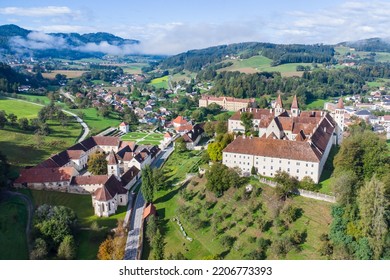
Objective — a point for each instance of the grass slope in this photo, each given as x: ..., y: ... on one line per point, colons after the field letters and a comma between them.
x: 160, y: 82
x: 13, y: 218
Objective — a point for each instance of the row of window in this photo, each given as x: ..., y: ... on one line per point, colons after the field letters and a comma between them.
x: 264, y: 159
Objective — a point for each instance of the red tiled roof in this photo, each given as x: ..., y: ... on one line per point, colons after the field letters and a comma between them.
x: 340, y: 104
x: 184, y: 128
x: 89, y: 180
x: 123, y: 124
x: 279, y: 102
x: 75, y: 154
x: 149, y: 210
x: 112, y: 158
x: 229, y: 99
x: 102, y: 194
x: 180, y: 120
x: 273, y: 148
x: 294, y: 104
x: 106, y: 140
x: 46, y: 175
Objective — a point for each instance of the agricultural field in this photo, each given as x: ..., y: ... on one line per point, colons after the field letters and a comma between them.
x: 13, y: 218
x: 88, y: 240
x: 70, y: 74
x: 133, y: 68
x: 95, y: 122
x: 24, y: 148
x: 160, y: 82
x: 236, y: 216
x: 260, y: 63
x: 183, y: 76
x: 144, y: 138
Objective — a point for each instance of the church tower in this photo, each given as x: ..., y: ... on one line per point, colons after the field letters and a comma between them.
x: 339, y: 118
x: 113, y: 165
x: 279, y: 106
x: 294, y: 107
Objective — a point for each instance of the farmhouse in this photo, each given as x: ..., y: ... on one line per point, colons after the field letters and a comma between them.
x: 292, y: 141
x: 63, y: 171
x: 227, y: 103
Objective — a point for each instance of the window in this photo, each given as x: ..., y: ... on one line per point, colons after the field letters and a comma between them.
x: 312, y: 165
x: 288, y: 162
x: 272, y: 167
x: 307, y: 165
x: 288, y: 169
x: 263, y: 166
x: 297, y: 170
x: 248, y: 163
x: 257, y: 163
x: 298, y: 163
x: 109, y: 206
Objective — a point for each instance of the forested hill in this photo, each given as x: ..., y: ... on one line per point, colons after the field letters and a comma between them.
x: 10, y: 79
x: 195, y: 60
x: 369, y: 45
x: 17, y: 40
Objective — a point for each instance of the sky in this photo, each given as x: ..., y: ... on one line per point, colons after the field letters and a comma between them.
x: 174, y: 26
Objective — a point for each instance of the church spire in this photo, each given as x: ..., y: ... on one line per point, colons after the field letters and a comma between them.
x: 294, y: 107
x: 340, y: 104
x: 279, y: 106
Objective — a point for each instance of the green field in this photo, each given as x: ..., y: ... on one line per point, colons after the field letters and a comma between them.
x: 183, y: 76
x: 378, y: 83
x: 13, y: 218
x: 316, y: 104
x: 35, y: 98
x: 87, y: 239
x: 24, y: 148
x: 260, y: 63
x: 144, y: 138
x: 133, y: 68
x: 95, y: 122
x: 160, y: 82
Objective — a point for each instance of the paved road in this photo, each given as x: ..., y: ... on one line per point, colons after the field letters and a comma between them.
x: 79, y: 120
x: 133, y: 237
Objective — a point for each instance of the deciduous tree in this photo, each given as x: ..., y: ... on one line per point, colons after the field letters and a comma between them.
x: 97, y: 164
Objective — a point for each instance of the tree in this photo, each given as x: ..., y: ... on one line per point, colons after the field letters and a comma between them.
x: 3, y: 119
x: 23, y: 123
x: 158, y: 246
x: 147, y: 186
x: 97, y: 164
x: 67, y: 248
x: 209, y: 129
x: 159, y: 179
x: 247, y: 121
x: 215, y: 151
x: 40, y: 250
x: 285, y: 184
x: 307, y: 183
x: 180, y: 145
x: 54, y: 222
x: 221, y: 127
x: 372, y: 206
x: 344, y: 186
x: 262, y: 103
x: 220, y: 178
x: 4, y: 169
x: 12, y: 118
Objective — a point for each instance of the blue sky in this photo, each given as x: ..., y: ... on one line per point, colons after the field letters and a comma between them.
x: 173, y: 26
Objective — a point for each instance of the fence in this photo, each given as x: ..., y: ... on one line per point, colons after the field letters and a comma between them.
x: 304, y: 193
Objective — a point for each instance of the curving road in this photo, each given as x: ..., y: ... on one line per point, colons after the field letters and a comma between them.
x: 79, y: 120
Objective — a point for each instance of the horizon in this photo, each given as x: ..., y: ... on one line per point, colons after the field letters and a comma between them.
x: 173, y: 27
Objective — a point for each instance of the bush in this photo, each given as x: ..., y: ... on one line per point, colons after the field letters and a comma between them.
x: 290, y: 213
x: 227, y: 241
x: 281, y: 246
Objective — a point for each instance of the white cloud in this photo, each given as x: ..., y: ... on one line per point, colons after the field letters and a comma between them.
x: 36, y: 11
x: 63, y: 28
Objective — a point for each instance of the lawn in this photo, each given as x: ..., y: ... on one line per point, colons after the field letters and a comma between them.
x: 134, y: 68
x: 328, y: 171
x: 237, y: 218
x: 88, y: 240
x: 19, y: 108
x: 24, y: 148
x: 144, y: 138
x: 316, y: 104
x: 13, y: 218
x: 160, y: 82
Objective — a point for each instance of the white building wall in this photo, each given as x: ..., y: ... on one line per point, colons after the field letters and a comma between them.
x: 267, y: 166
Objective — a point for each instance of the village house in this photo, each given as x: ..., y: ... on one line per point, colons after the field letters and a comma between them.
x: 292, y: 141
x: 192, y: 137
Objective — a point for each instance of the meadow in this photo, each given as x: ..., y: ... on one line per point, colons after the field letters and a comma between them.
x: 260, y: 63
x: 13, y: 217
x: 160, y: 82
x: 24, y: 148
